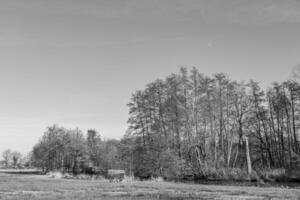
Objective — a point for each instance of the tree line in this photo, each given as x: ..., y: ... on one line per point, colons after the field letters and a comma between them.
x: 70, y: 150
x: 188, y: 126
x: 13, y: 159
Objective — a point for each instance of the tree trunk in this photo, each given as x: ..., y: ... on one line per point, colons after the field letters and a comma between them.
x: 249, y: 166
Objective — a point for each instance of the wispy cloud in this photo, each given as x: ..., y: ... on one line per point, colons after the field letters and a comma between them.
x: 229, y: 11
x: 264, y: 12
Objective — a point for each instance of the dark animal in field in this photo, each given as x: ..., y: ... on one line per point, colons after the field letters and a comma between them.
x: 115, y: 175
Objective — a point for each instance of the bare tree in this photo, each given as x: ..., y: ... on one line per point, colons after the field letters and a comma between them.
x: 7, y: 157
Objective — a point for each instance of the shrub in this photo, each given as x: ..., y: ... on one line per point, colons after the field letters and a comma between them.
x: 157, y: 179
x: 54, y: 174
x: 170, y: 165
x: 224, y: 174
x: 128, y: 179
x: 272, y: 175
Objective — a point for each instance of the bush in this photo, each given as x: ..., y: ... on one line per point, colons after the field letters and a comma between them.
x: 272, y: 175
x: 237, y: 174
x: 55, y: 175
x: 128, y: 179
x: 225, y: 174
x: 294, y: 174
x: 170, y: 165
x: 157, y: 179
x: 68, y: 176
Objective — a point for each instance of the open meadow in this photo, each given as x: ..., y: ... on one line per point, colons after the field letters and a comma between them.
x: 33, y: 187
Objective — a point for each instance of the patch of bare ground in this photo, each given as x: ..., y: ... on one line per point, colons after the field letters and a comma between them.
x: 33, y: 187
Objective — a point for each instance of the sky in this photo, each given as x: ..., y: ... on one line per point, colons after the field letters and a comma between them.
x: 76, y: 62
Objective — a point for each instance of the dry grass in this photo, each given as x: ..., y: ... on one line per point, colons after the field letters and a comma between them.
x: 35, y: 187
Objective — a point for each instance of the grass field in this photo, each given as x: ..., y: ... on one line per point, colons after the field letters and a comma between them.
x: 33, y: 187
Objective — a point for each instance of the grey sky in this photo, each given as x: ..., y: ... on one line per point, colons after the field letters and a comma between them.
x: 76, y: 62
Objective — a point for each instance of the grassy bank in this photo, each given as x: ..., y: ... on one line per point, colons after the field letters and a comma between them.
x: 35, y: 187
